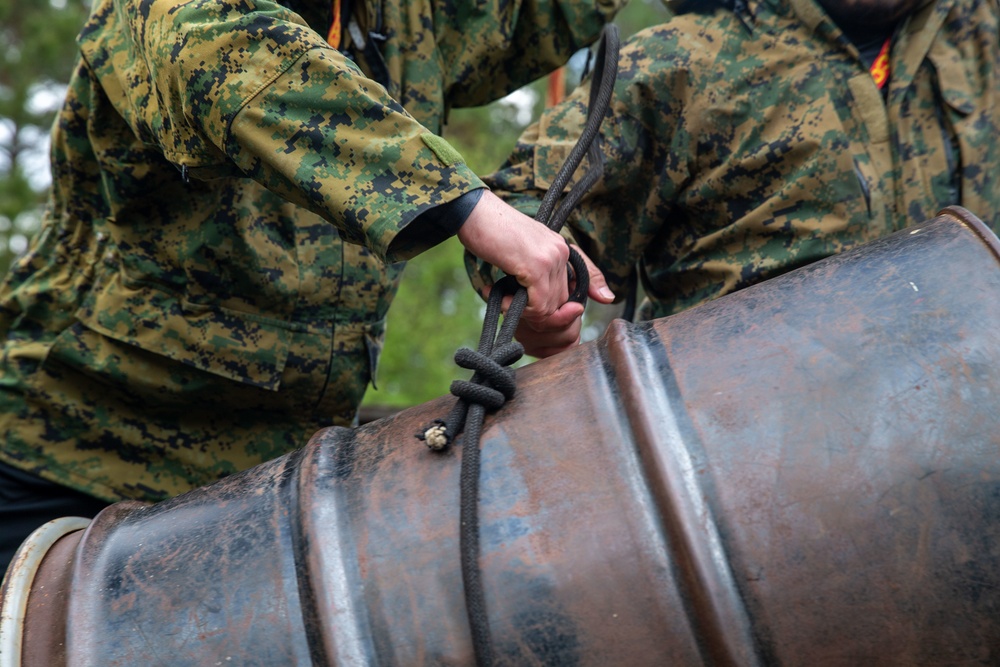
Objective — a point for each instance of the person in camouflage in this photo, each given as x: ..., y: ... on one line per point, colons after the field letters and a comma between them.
x: 232, y: 198
x: 749, y: 138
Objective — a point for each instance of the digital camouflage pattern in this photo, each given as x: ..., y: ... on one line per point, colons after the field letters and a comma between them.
x: 211, y: 281
x: 742, y: 146
x: 469, y: 55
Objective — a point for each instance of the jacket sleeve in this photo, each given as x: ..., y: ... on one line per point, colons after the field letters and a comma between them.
x: 328, y: 139
x: 646, y: 150
x: 248, y: 87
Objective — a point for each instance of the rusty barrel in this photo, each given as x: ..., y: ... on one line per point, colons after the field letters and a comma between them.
x: 806, y: 472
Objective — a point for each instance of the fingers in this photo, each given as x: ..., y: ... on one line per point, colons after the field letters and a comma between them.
x: 564, y: 317
x: 556, y: 333
x: 541, y: 345
x: 547, y: 336
x: 548, y: 283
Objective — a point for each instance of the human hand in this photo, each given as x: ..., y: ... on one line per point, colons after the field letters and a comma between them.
x: 521, y: 247
x: 561, y: 330
x: 536, y: 257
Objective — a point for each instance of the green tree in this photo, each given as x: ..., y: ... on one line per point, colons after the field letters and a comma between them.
x: 37, y: 50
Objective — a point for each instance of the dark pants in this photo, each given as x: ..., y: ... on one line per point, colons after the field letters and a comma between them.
x: 27, y: 501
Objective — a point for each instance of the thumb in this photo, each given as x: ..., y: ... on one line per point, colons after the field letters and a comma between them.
x: 598, y: 290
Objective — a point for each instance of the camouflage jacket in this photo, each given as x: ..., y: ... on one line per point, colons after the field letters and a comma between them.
x: 742, y: 145
x: 210, y: 284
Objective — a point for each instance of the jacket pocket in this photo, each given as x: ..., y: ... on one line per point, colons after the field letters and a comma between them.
x: 152, y: 349
x: 241, y: 347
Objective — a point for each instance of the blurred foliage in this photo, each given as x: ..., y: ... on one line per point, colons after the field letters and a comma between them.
x: 436, y: 310
x: 37, y: 51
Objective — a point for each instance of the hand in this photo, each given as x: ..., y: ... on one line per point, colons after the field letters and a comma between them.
x: 537, y: 258
x: 561, y: 330
x: 521, y: 247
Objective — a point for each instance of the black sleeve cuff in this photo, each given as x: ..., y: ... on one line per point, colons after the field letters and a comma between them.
x: 445, y: 220
x: 439, y: 223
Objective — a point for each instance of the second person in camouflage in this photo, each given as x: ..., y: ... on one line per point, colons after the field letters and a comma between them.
x: 749, y: 138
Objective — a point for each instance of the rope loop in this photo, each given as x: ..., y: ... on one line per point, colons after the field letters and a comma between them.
x: 480, y: 394
x: 580, y: 275
x: 493, y: 383
x: 495, y: 351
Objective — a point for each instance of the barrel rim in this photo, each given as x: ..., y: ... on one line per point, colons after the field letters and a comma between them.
x: 19, y: 578
x: 980, y: 228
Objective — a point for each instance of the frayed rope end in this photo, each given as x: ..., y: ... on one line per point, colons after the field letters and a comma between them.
x: 435, y: 437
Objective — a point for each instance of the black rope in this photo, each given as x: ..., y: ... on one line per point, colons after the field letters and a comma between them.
x: 492, y: 382
x: 601, y: 89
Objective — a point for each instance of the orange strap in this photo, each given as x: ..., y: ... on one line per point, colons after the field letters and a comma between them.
x: 880, y: 68
x: 556, y: 89
x: 333, y: 37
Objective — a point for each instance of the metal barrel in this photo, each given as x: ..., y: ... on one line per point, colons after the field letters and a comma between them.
x: 806, y: 472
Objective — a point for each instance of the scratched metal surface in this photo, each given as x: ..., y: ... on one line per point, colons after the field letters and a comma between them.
x: 806, y: 472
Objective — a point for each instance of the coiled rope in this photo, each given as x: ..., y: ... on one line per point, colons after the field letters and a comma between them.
x: 492, y: 382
